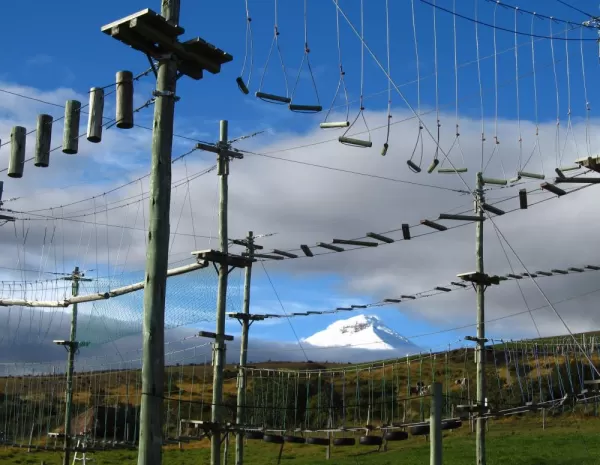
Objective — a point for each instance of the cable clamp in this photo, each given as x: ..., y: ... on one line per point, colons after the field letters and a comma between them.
x: 165, y: 93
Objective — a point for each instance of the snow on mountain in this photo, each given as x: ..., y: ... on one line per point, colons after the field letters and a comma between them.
x: 362, y: 332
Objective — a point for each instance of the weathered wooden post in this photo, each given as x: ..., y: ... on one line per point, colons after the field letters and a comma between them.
x: 43, y: 139
x: 94, y: 129
x: 71, y: 131
x: 124, y: 115
x: 17, y: 152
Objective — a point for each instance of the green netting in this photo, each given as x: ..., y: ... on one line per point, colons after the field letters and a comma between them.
x: 190, y: 298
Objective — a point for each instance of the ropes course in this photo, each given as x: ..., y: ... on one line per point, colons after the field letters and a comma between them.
x: 520, y: 103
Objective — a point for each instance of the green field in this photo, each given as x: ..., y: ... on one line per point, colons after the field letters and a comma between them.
x: 567, y: 440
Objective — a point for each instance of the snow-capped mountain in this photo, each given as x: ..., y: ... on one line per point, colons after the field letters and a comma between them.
x: 361, y: 332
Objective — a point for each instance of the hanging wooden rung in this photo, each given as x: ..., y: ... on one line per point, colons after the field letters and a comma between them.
x: 334, y: 124
x: 526, y: 174
x: 355, y: 142
x: 559, y: 172
x: 433, y: 165
x: 570, y: 168
x: 413, y: 166
x: 305, y: 108
x: 452, y: 170
x: 523, y: 199
x: 94, y: 129
x: 499, y: 182
x: 306, y: 250
x: 272, y: 98
x: 514, y: 180
x: 43, y: 138
x: 18, y: 136
x: 242, y: 85
x: 71, y: 128
x: 406, y: 231
x: 124, y: 114
x: 552, y: 188
x: 384, y: 149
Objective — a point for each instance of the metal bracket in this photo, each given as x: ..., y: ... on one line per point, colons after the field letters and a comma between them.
x: 154, y: 70
x: 476, y: 339
x: 165, y: 93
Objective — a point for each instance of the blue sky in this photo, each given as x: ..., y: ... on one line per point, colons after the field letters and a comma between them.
x: 61, y: 47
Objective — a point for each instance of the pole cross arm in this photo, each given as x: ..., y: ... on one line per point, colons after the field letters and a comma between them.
x: 151, y: 34
x: 210, y: 335
x: 219, y: 150
x: 246, y: 316
x: 228, y: 259
x: 479, y: 278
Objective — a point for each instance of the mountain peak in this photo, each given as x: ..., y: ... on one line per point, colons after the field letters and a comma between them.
x: 363, y: 332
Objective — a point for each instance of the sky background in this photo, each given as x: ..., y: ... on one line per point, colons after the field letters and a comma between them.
x: 277, y: 189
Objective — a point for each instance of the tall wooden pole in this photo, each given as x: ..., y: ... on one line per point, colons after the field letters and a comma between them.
x: 151, y: 410
x: 435, y: 426
x: 480, y: 351
x: 241, y: 391
x: 219, y: 344
x: 71, y: 349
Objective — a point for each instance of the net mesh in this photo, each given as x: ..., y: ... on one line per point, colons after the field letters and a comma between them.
x: 190, y: 299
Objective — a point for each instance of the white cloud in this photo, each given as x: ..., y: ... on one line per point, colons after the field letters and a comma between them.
x: 304, y: 204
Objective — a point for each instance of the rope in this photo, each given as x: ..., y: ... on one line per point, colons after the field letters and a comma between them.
x: 248, y: 48
x: 362, y: 76
x: 341, y: 82
x: 420, y: 133
x: 275, y: 44
x: 517, y: 94
x: 389, y: 70
x: 437, y: 90
x: 306, y: 58
x: 557, y: 135
x: 479, y: 78
x: 587, y: 102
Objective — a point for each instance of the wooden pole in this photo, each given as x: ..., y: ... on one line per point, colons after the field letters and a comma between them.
x: 124, y: 114
x: 71, y: 349
x: 241, y: 391
x: 480, y: 350
x: 435, y: 426
x: 94, y: 129
x: 219, y: 344
x: 157, y: 253
x: 43, y: 139
x: 71, y: 130
x: 18, y: 136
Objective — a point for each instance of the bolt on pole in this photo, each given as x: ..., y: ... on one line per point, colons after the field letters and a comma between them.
x: 219, y: 344
x: 480, y: 350
x: 241, y: 390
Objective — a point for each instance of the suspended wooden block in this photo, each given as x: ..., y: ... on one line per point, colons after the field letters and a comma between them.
x: 570, y: 168
x: 335, y: 124
x: 94, y: 129
x: 523, y: 198
x: 526, y: 174
x: 355, y: 142
x: 515, y: 179
x: 452, y: 170
x: 552, y: 188
x: 406, y: 231
x: 379, y: 237
x: 433, y: 165
x: 17, y: 152
x: 559, y: 172
x: 124, y: 115
x: 499, y: 182
x: 330, y: 247
x: 71, y: 131
x: 242, y: 85
x: 305, y: 108
x: 413, y: 166
x: 43, y: 139
x: 306, y: 250
x: 357, y: 243
x: 492, y: 209
x: 2, y: 190
x: 272, y: 98
x: 385, y: 149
